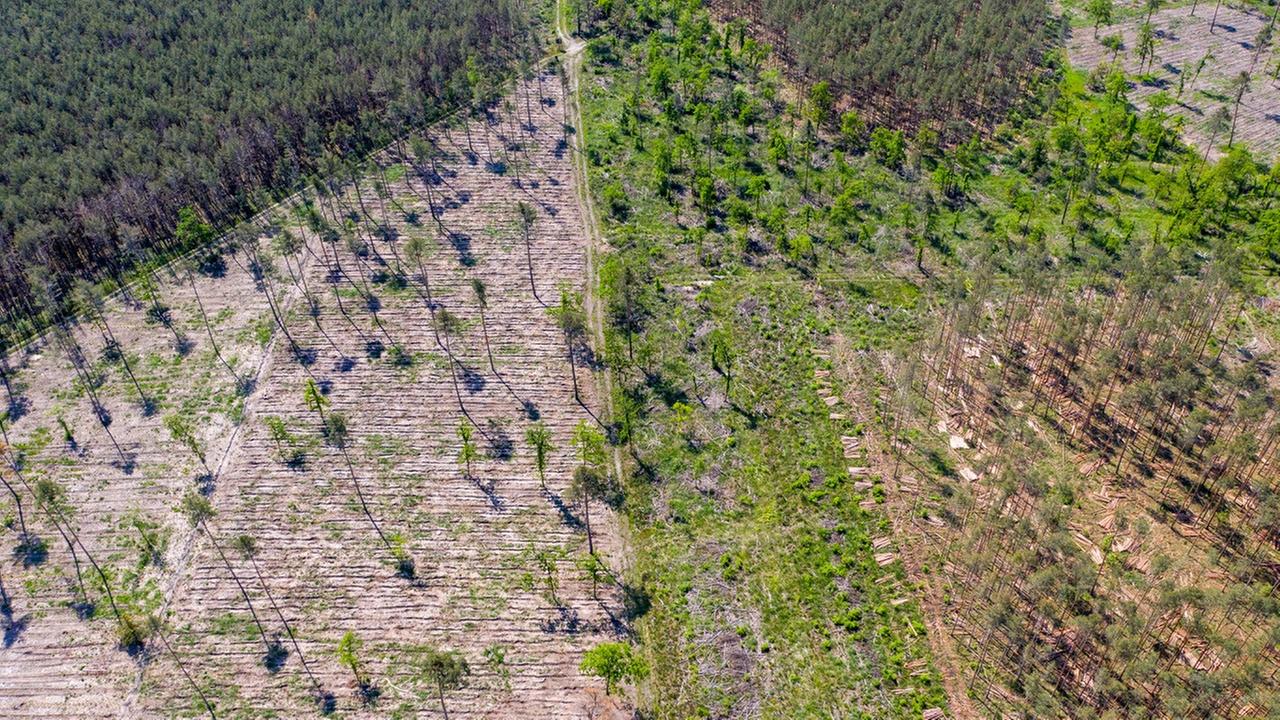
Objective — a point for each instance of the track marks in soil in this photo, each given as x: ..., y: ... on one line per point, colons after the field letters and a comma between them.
x: 476, y: 542
x: 1183, y: 41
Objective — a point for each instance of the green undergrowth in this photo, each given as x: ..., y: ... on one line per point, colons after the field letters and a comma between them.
x: 753, y: 554
x: 750, y: 224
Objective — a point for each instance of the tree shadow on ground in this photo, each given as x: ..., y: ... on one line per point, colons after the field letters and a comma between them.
x: 473, y: 381
x: 461, y: 243
x: 127, y: 463
x: 275, y: 657
x: 567, y: 517
x: 566, y: 622
x: 490, y: 492
x: 31, y: 551
x: 501, y: 446
x: 18, y: 407
x: 369, y: 693
x: 13, y: 628
x: 530, y: 410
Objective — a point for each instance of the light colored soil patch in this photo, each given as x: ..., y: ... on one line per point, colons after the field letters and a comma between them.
x: 1183, y: 41
x: 477, y: 543
x: 53, y: 663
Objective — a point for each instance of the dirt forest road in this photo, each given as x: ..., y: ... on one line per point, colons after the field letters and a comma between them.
x: 417, y: 303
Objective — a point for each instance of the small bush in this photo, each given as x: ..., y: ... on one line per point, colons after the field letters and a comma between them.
x: 614, y: 663
x: 615, y: 199
x: 132, y: 632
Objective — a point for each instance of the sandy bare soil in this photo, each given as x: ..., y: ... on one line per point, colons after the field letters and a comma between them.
x: 1183, y: 41
x: 483, y: 546
x: 54, y: 663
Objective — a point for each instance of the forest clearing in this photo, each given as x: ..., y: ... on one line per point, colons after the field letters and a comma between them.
x: 402, y: 502
x: 1218, y: 76
x: 646, y: 360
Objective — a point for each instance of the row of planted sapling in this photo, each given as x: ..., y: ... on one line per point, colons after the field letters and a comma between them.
x: 98, y: 336
x: 342, y: 272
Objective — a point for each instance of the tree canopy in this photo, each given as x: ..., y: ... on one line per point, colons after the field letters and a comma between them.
x: 947, y: 62
x: 118, y: 114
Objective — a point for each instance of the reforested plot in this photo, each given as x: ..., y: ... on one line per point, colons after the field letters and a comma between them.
x: 1215, y: 70
x: 115, y: 114
x: 945, y: 62
x: 345, y: 465
x: 901, y: 425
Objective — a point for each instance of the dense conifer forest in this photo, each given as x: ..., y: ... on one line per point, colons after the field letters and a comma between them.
x: 117, y: 114
x: 948, y: 64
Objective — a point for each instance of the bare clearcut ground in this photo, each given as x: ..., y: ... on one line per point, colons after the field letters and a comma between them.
x: 54, y: 662
x: 1182, y: 42
x: 484, y: 546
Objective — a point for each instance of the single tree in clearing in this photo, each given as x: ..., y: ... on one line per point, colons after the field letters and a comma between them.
x: 539, y: 438
x: 447, y: 670
x: 528, y: 215
x: 615, y: 663
x: 349, y: 655
x: 467, y: 454
x: 588, y: 479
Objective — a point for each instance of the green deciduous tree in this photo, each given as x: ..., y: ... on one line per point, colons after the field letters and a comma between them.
x: 1101, y: 12
x: 314, y: 399
x: 888, y: 147
x: 615, y: 663
x: 589, y: 480
x: 1145, y: 47
x: 349, y: 647
x: 539, y: 439
x: 821, y: 103
x: 447, y: 670
x: 573, y: 325
x: 467, y: 453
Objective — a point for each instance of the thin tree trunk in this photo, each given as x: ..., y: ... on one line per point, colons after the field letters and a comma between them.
x: 287, y: 629
x: 17, y: 499
x: 528, y: 246
x: 360, y: 495
x: 5, y: 380
x: 183, y: 668
x: 209, y: 329
x: 484, y: 328
x: 586, y: 513
x: 110, y: 337
x: 243, y: 592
